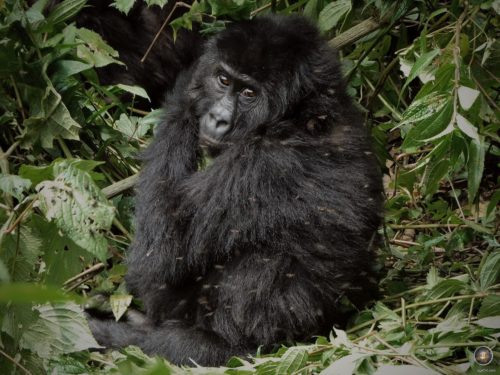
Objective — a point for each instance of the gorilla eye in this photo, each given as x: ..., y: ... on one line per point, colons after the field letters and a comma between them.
x: 249, y: 93
x: 223, y: 80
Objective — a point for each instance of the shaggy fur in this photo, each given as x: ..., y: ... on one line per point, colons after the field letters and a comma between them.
x: 260, y: 247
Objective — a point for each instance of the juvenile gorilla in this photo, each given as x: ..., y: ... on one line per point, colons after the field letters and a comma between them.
x: 261, y: 246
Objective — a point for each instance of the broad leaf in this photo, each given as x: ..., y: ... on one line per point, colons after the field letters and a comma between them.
x: 467, y: 96
x: 123, y: 6
x: 119, y: 304
x: 60, y: 329
x: 294, y: 359
x: 436, y: 174
x: 78, y: 207
x: 333, y: 13
x: 465, y: 126
x: 14, y: 185
x: 422, y: 62
x: 447, y: 288
x: 424, y: 107
x: 345, y: 365
x: 135, y: 90
x: 31, y: 293
x: 95, y: 51
x: 49, y: 118
x: 490, y: 271
x: 490, y: 306
x: 65, y: 10
x: 429, y: 127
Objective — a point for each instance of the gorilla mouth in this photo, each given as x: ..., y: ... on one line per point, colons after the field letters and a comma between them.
x: 207, y: 141
x: 212, y: 147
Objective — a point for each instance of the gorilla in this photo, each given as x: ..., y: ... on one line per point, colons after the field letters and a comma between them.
x: 264, y: 244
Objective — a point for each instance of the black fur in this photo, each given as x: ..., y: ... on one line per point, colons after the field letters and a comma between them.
x: 260, y: 247
x: 131, y: 35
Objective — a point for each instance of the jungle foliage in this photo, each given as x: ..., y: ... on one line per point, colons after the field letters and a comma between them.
x: 427, y: 79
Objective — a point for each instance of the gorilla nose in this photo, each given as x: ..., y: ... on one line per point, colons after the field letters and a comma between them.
x: 221, y: 124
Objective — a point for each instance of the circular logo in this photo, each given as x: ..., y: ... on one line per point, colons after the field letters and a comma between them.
x: 483, y: 355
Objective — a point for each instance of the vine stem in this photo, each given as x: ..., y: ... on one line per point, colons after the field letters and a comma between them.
x: 94, y: 268
x: 164, y: 24
x: 424, y: 226
x: 16, y: 363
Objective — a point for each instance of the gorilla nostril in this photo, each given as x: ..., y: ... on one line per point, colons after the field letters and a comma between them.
x: 221, y: 123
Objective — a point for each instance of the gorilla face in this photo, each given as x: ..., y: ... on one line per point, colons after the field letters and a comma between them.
x: 233, y: 101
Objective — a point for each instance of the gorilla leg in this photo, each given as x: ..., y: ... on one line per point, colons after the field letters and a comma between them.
x: 178, y: 342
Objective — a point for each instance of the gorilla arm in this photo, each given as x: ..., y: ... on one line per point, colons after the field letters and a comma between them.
x: 171, y: 157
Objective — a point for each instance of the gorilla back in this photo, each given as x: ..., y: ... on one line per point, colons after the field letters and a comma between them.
x: 260, y: 247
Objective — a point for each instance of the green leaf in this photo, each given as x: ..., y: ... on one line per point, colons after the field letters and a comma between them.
x: 311, y: 9
x: 65, y: 10
x: 78, y: 207
x: 61, y: 257
x: 68, y: 365
x: 131, y: 127
x: 331, y: 14
x: 436, y: 174
x: 489, y: 322
x: 267, y: 368
x: 447, y: 288
x: 432, y: 277
x: 492, y: 205
x: 32, y: 293
x: 489, y: 307
x: 49, y: 118
x: 467, y: 97
x: 14, y: 185
x: 293, y: 359
x: 443, y: 81
x: 490, y: 271
x: 119, y: 304
x: 67, y: 68
x: 423, y: 131
x: 21, y: 252
x: 123, y: 6
x: 422, y: 62
x: 36, y: 174
x: 160, y: 3
x: 4, y: 273
x: 424, y: 107
x: 382, y: 312
x: 466, y: 127
x: 237, y: 9
x: 345, y: 365
x: 95, y: 51
x: 475, y: 166
x: 135, y: 90
x: 60, y: 329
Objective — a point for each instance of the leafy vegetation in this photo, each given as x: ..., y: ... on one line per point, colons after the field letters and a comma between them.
x: 426, y: 76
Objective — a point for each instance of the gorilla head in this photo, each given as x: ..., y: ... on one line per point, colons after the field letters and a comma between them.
x: 249, y: 80
x: 260, y: 247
